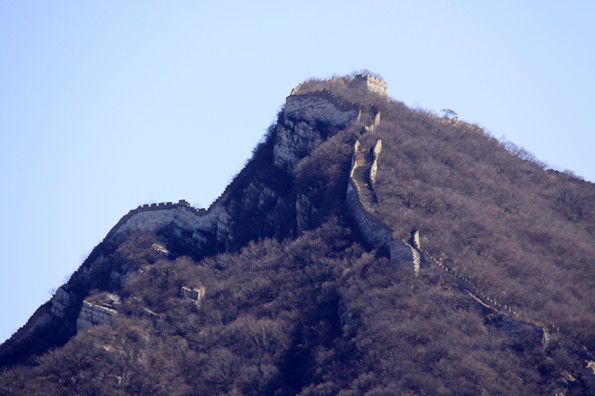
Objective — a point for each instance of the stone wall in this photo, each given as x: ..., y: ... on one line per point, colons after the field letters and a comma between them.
x: 374, y: 167
x: 97, y: 309
x: 304, y: 117
x: 93, y: 314
x: 366, y: 81
x: 300, y: 130
x: 202, y: 225
x: 372, y: 84
x: 194, y: 294
x: 360, y: 202
x: 144, y: 217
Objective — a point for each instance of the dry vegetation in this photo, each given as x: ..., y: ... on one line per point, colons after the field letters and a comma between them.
x: 318, y: 313
x: 522, y: 233
x: 315, y: 315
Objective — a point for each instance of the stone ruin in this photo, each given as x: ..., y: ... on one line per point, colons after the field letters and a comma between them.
x: 366, y: 80
x: 371, y: 83
x: 97, y: 310
x: 194, y: 294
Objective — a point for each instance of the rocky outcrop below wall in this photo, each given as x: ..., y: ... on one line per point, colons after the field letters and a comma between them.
x: 60, y: 302
x: 308, y: 120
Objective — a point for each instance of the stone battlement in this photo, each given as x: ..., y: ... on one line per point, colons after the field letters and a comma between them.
x: 366, y: 81
x: 181, y: 204
x: 362, y: 203
x: 371, y: 83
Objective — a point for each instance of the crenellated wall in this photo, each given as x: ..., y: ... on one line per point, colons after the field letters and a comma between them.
x: 201, y: 225
x: 134, y: 218
x: 360, y: 200
x: 366, y: 81
x: 372, y: 83
x: 305, y: 123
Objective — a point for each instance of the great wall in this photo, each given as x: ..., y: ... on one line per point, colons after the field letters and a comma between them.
x: 291, y: 146
x: 360, y: 195
x: 362, y: 201
x: 295, y: 138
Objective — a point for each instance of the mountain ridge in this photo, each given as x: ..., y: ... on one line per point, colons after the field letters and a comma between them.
x: 323, y: 158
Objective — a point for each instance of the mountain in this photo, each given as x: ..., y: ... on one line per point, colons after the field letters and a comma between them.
x: 365, y: 248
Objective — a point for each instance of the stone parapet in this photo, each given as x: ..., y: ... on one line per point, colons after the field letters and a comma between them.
x: 372, y: 83
x: 95, y: 312
x: 194, y: 294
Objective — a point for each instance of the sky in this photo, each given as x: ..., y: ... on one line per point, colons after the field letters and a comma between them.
x: 106, y: 105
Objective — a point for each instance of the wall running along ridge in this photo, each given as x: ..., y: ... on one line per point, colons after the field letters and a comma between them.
x: 297, y: 134
x: 299, y: 131
x: 362, y: 201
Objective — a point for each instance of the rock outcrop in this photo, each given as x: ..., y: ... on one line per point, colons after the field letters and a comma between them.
x: 60, y: 302
x: 307, y: 120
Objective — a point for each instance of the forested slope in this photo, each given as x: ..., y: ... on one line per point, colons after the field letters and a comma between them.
x: 298, y: 302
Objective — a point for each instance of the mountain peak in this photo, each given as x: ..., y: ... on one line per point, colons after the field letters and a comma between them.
x: 388, y: 244
x: 368, y: 81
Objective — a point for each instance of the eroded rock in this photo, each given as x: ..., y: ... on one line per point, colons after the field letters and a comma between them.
x: 60, y: 302
x: 305, y: 120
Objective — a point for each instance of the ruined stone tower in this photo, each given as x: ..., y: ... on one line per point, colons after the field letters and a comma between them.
x: 371, y: 83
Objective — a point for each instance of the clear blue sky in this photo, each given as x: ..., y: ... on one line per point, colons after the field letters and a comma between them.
x: 105, y: 105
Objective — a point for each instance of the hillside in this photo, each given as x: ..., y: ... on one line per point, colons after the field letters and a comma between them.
x: 365, y: 248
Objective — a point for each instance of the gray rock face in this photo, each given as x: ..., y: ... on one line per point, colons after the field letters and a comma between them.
x: 60, y: 302
x: 305, y: 212
x: 300, y: 131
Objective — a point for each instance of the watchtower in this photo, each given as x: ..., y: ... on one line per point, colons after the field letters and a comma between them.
x: 371, y: 83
